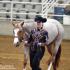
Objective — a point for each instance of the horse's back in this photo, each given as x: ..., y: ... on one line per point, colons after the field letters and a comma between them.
x: 59, y: 27
x: 53, y: 27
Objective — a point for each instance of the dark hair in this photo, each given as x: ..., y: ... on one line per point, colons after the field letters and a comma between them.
x: 44, y: 20
x: 38, y: 18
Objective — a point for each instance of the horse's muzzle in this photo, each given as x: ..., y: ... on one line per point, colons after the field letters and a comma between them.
x: 16, y: 45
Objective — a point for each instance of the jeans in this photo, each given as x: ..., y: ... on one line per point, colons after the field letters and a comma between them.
x: 35, y: 57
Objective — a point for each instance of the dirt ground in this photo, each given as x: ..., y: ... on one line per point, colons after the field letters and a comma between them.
x: 11, y: 58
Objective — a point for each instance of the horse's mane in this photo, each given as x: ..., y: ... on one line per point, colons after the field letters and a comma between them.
x: 29, y: 26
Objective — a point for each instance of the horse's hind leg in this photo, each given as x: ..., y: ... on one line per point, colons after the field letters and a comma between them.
x: 50, y: 51
x: 57, y: 51
x: 57, y: 58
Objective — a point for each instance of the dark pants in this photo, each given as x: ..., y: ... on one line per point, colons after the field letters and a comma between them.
x: 35, y: 57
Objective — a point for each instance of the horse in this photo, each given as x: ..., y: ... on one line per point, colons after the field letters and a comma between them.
x: 55, y: 33
x: 20, y: 34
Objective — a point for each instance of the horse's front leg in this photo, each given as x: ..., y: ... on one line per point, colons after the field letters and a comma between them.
x: 24, y: 62
x: 26, y: 55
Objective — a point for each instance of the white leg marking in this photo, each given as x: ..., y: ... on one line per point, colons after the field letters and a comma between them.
x: 50, y: 65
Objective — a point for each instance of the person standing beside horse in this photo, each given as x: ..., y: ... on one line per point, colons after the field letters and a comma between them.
x: 37, y: 43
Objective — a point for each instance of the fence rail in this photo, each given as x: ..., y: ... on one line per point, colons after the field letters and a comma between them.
x: 47, y: 5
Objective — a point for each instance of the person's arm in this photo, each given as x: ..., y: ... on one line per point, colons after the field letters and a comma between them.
x: 28, y: 39
x: 44, y: 39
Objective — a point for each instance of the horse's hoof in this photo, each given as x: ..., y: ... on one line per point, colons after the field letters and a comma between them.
x: 24, y: 69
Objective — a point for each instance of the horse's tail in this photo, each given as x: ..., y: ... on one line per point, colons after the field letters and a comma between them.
x: 57, y: 58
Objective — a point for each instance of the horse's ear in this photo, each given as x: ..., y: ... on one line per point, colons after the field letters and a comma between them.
x: 22, y: 23
x: 13, y: 23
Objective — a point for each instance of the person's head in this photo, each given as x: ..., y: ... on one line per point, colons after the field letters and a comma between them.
x: 40, y: 20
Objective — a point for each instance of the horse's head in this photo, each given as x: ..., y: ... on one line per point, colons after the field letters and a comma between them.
x: 18, y: 32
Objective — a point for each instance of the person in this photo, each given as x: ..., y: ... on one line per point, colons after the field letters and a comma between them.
x: 36, y: 43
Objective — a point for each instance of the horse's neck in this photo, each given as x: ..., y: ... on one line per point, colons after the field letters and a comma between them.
x: 29, y: 26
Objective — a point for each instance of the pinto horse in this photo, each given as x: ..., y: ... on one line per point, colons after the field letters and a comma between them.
x: 55, y: 33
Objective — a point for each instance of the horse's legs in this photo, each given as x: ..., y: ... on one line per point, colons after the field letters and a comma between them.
x: 57, y: 58
x: 57, y: 49
x: 57, y: 52
x: 50, y: 51
x: 25, y: 62
x: 26, y: 54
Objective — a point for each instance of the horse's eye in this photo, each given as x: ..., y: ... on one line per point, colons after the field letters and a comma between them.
x: 20, y: 31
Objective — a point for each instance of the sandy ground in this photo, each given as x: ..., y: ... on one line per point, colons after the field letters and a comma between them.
x: 11, y: 58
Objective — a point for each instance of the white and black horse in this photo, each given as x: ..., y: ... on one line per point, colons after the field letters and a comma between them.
x: 55, y: 33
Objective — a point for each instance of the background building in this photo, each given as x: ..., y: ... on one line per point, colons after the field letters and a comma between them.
x: 20, y: 10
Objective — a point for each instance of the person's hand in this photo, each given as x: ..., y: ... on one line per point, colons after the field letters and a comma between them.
x: 39, y: 44
x: 25, y: 43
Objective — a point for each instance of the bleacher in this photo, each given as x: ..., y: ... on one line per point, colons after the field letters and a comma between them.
x: 19, y: 9
x: 25, y: 9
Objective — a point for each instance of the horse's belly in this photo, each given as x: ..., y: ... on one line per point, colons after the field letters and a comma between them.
x: 52, y: 31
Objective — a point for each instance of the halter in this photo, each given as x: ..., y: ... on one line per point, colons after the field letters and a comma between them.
x: 17, y: 35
